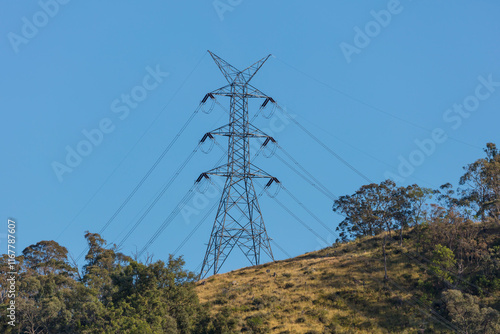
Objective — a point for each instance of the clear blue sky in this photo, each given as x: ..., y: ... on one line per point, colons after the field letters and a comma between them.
x: 368, y: 95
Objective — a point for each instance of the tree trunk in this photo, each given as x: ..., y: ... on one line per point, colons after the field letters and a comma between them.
x: 385, y: 257
x: 418, y: 240
x: 401, y: 236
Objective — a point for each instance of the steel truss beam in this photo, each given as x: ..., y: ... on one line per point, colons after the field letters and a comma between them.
x: 239, y: 220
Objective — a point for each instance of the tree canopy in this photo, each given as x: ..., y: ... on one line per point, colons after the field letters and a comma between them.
x: 114, y: 293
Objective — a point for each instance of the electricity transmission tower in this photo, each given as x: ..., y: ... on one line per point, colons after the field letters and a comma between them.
x: 239, y: 219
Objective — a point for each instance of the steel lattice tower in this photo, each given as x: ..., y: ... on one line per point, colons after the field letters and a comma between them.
x: 239, y: 219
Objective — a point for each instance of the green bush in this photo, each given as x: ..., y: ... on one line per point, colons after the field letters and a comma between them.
x: 256, y: 324
x: 467, y: 314
x: 443, y: 263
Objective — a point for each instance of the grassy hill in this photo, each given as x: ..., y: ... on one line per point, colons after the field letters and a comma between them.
x: 339, y: 289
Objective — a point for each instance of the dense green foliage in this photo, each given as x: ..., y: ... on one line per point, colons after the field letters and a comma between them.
x: 114, y: 294
x: 452, y: 234
x: 467, y: 314
x: 457, y: 235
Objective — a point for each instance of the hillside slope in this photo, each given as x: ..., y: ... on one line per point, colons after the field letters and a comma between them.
x: 339, y: 289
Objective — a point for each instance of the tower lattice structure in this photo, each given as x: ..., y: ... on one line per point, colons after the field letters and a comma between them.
x: 239, y: 220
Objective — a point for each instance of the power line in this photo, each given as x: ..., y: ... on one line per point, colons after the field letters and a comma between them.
x: 179, y: 170
x: 297, y: 218
x: 416, y: 302
x: 316, y: 139
x: 165, y: 187
x: 173, y: 178
x: 343, y: 161
x: 324, y: 225
x: 198, y: 267
x: 370, y: 106
x: 318, y: 185
x: 280, y: 248
x: 211, y: 209
x: 193, y: 231
x: 148, y: 173
x: 162, y: 227
x: 204, y: 219
x: 306, y: 209
x: 169, y: 219
x: 362, y: 151
x: 331, y: 231
x: 133, y: 146
x: 239, y: 196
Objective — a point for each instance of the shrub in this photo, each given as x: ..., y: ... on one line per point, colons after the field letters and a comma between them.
x: 224, y: 322
x: 443, y: 262
x: 466, y: 313
x: 256, y: 324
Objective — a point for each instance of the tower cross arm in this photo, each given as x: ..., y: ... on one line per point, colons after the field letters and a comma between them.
x: 251, y: 92
x: 249, y: 72
x: 258, y: 133
x: 225, y: 130
x: 239, y: 220
x: 259, y: 173
x: 229, y: 71
x: 232, y: 74
x: 223, y: 170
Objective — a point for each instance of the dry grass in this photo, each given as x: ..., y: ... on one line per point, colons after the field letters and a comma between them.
x: 340, y: 288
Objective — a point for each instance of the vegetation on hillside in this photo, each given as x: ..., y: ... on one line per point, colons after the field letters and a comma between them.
x: 113, y: 294
x: 408, y: 260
